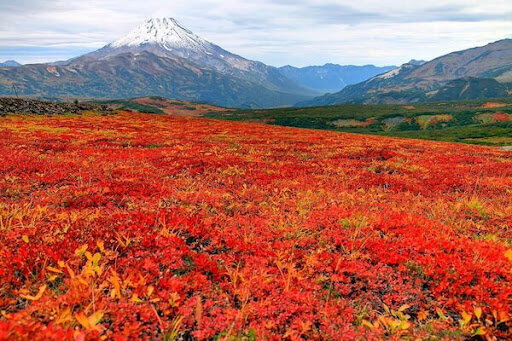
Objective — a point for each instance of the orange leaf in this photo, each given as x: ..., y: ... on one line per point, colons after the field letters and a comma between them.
x: 64, y: 316
x: 478, y: 312
x: 404, y: 307
x: 52, y: 269
x: 91, y: 322
x: 116, y: 291
x: 466, y: 317
x: 422, y: 315
x: 36, y: 297
x: 368, y: 324
x: 81, y: 250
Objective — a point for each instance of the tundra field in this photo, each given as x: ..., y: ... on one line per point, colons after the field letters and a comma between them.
x: 138, y: 226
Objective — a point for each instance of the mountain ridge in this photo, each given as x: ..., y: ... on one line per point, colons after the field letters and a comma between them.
x: 10, y: 63
x: 332, y: 77
x: 413, y: 83
x: 145, y: 74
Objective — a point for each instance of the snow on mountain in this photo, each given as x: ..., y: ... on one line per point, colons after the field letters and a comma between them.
x: 396, y: 72
x: 391, y: 73
x: 167, y: 40
x: 166, y: 37
x: 165, y: 32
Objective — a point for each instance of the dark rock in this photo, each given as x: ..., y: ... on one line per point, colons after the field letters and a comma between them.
x: 9, y: 105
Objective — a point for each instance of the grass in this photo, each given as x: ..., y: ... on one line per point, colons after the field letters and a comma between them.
x: 130, y: 105
x: 455, y: 121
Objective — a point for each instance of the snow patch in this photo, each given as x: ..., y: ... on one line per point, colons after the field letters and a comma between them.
x: 166, y: 32
x: 390, y: 74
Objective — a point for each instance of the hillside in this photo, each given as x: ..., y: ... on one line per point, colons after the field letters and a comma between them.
x: 158, y: 227
x: 410, y: 83
x: 146, y: 74
x: 162, y: 105
x: 158, y: 58
x: 475, y: 121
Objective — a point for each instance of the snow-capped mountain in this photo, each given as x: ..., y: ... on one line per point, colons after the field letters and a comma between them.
x: 160, y: 57
x: 166, y: 32
x: 166, y: 37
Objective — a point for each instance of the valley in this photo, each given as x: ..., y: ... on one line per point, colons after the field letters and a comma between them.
x: 476, y: 122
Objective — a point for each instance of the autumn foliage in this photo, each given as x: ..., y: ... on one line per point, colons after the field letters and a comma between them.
x: 146, y: 226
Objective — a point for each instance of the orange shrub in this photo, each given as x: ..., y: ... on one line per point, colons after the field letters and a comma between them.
x: 152, y: 227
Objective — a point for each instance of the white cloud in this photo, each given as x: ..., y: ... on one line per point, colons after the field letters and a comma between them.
x: 277, y: 32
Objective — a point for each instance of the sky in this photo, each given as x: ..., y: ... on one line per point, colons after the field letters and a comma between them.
x: 276, y: 32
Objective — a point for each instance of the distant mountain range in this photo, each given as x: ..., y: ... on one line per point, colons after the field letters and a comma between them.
x: 159, y: 58
x: 10, y: 63
x: 481, y: 72
x: 162, y: 58
x: 332, y: 77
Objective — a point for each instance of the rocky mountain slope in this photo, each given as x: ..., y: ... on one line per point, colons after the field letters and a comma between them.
x: 159, y: 58
x: 332, y: 77
x: 492, y: 64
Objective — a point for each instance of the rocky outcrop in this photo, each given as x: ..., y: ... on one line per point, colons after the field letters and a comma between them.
x: 10, y: 105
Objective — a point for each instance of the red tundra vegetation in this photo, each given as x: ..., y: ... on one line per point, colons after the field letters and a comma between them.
x: 154, y: 227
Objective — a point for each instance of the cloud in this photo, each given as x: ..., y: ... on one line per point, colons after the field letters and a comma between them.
x: 277, y: 32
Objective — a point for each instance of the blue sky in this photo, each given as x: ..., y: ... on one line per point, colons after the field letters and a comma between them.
x: 277, y: 32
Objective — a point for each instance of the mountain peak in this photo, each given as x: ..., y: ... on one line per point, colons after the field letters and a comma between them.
x: 10, y: 63
x: 165, y: 21
x: 168, y: 33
